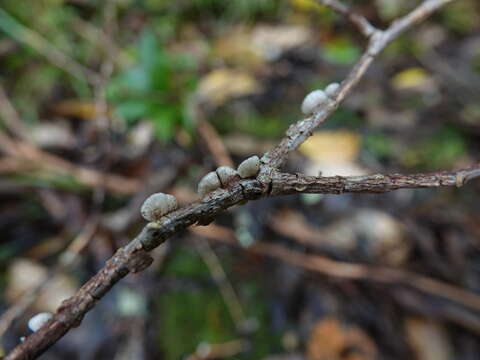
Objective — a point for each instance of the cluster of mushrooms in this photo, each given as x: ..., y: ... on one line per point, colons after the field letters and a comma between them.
x: 160, y: 204
x: 317, y: 98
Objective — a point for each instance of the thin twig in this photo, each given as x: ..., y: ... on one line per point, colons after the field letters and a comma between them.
x: 134, y: 257
x: 103, y: 120
x: 351, y: 271
x: 26, y: 152
x: 220, y: 277
x: 11, y: 117
x: 66, y: 260
x: 303, y: 129
x: 284, y: 184
x: 83, y: 175
x: 55, y: 56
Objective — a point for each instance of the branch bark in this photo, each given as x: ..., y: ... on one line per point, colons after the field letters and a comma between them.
x: 302, y: 130
x: 284, y: 184
x: 134, y: 257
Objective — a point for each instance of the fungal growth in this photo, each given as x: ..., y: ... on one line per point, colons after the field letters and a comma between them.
x: 313, y: 100
x: 331, y: 89
x: 316, y: 98
x: 226, y: 174
x: 158, y: 205
x: 249, y: 167
x: 36, y: 322
x: 209, y: 183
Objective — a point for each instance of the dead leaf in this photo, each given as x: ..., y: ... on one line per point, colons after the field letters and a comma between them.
x: 52, y: 135
x: 377, y: 234
x: 414, y: 78
x: 221, y: 85
x: 331, y: 146
x: 24, y: 275
x: 235, y: 48
x: 332, y: 153
x: 251, y: 48
x: 332, y: 340
x: 84, y: 110
x: 428, y: 339
x: 271, y: 42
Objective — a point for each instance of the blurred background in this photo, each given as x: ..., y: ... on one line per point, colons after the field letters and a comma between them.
x: 105, y: 102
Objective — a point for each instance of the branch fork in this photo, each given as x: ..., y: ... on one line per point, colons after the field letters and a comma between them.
x: 269, y: 182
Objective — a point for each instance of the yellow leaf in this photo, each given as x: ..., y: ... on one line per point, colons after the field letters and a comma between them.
x: 235, y: 48
x: 414, y: 77
x: 330, y: 146
x: 76, y: 108
x: 307, y: 5
x: 223, y: 84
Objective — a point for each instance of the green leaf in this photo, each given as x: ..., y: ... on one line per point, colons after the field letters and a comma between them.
x: 165, y: 119
x: 341, y: 52
x: 133, y: 110
x: 149, y: 50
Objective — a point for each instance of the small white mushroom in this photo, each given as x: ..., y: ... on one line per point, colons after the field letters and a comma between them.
x: 249, y: 167
x: 312, y: 101
x: 157, y: 205
x: 226, y: 174
x: 36, y: 322
x: 208, y: 183
x: 331, y: 89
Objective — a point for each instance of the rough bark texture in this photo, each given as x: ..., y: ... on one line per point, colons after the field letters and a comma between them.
x: 283, y: 184
x: 134, y: 257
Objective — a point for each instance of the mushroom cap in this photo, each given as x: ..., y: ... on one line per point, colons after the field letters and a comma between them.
x: 37, y: 321
x: 226, y: 174
x: 157, y: 205
x: 331, y: 89
x: 209, y: 183
x: 313, y: 100
x: 249, y: 167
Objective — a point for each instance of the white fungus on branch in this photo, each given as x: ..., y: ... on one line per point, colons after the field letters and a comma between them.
x: 158, y: 205
x: 318, y: 97
x: 37, y: 321
x: 331, y: 89
x: 313, y: 100
x: 249, y: 167
x: 209, y: 183
x: 226, y: 174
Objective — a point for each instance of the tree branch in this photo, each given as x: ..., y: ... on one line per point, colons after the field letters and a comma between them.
x: 284, y: 184
x: 303, y: 129
x: 134, y: 257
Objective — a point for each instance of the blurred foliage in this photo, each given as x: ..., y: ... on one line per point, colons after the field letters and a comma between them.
x: 341, y: 51
x: 48, y: 180
x: 207, y: 319
x: 461, y: 16
x: 243, y: 10
x: 156, y: 88
x: 441, y: 150
x: 169, y: 48
x: 378, y: 144
x: 35, y: 80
